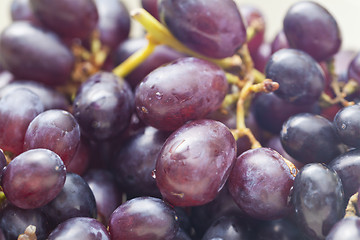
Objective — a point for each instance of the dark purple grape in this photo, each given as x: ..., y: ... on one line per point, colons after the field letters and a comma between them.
x: 161, y: 55
x: 187, y: 89
x: 354, y: 69
x: 81, y: 160
x: 260, y: 183
x: 80, y: 228
x: 347, y: 125
x: 310, y: 138
x: 346, y: 229
x: 311, y: 28
x: 114, y: 22
x: 14, y: 221
x: 195, y: 162
x: 143, y: 218
x: 318, y: 199
x: 21, y: 11
x: 56, y: 130
x: 271, y: 111
x: 213, y: 28
x: 107, y: 194
x: 71, y: 19
x: 301, y: 79
x: 103, y: 106
x: 281, y: 229
x: 151, y: 6
x: 280, y: 41
x: 50, y: 62
x: 13, y: 123
x: 347, y: 166
x: 75, y: 200
x: 261, y: 56
x: 33, y: 178
x: 136, y: 160
x: 50, y: 98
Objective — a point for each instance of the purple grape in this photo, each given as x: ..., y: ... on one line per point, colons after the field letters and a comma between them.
x: 114, y: 22
x: 347, y: 166
x: 143, y: 218
x: 345, y: 229
x: 13, y: 124
x: 354, y: 69
x: 103, y: 106
x: 151, y: 6
x: 106, y: 192
x: 261, y: 56
x: 347, y: 125
x: 301, y: 79
x: 311, y: 28
x: 80, y: 228
x: 214, y: 28
x: 310, y: 138
x: 33, y: 178
x: 14, y: 221
x: 161, y: 55
x: 260, y: 184
x: 50, y: 62
x: 81, y: 160
x: 195, y: 162
x: 186, y: 89
x: 136, y: 160
x: 71, y: 19
x: 21, y: 11
x: 318, y: 199
x: 50, y: 98
x: 280, y: 41
x: 56, y: 130
x: 75, y: 200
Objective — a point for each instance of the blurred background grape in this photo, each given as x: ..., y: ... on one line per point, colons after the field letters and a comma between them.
x: 345, y: 12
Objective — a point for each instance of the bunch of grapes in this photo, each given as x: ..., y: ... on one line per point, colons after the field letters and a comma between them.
x: 197, y: 129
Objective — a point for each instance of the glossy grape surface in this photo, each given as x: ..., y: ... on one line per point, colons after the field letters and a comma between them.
x: 310, y: 138
x: 50, y: 62
x: 80, y: 228
x: 103, y: 106
x: 347, y: 125
x: 311, y: 28
x: 195, y: 162
x: 260, y: 183
x: 318, y: 199
x: 216, y: 30
x: 299, y: 75
x: 56, y: 130
x: 186, y: 89
x: 143, y: 218
x: 13, y: 124
x: 72, y: 19
x: 345, y: 229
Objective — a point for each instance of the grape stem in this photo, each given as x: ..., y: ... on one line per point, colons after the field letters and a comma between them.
x: 351, y: 206
x: 29, y: 233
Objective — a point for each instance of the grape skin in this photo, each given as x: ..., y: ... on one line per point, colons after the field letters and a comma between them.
x: 347, y: 125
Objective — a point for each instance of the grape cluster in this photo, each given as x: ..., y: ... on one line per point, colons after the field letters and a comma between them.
x: 199, y: 128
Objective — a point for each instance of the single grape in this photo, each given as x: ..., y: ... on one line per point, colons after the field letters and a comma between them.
x: 80, y: 228
x: 50, y: 62
x: 214, y: 28
x: 261, y: 56
x: 318, y: 199
x: 143, y: 218
x: 347, y: 166
x: 310, y: 27
x: 260, y: 183
x: 20, y: 10
x: 345, y: 229
x: 134, y: 163
x: 13, y: 124
x: 279, y: 42
x: 33, y: 178
x: 107, y: 194
x: 76, y: 199
x: 103, y: 106
x: 300, y: 77
x: 195, y: 162
x: 56, y: 130
x: 310, y: 138
x: 160, y: 56
x: 347, y: 125
x: 71, y: 19
x: 114, y: 22
x: 186, y: 89
x: 14, y: 221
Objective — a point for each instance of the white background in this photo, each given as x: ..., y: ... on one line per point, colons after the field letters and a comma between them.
x: 347, y: 13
